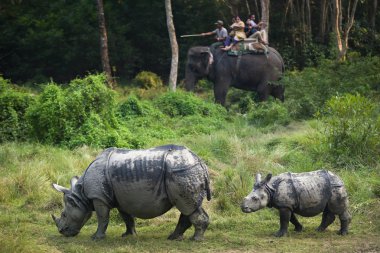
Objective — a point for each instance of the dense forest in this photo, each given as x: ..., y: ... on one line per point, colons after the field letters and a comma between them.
x: 59, y: 39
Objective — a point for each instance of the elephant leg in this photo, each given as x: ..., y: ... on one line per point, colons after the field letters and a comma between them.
x: 129, y: 223
x: 183, y: 224
x: 103, y: 214
x: 295, y: 222
x: 327, y: 219
x: 220, y: 96
x: 200, y: 220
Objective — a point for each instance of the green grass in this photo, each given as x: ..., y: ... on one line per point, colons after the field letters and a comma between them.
x: 233, y: 154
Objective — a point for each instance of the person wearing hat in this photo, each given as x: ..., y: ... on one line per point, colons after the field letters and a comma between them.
x: 220, y: 32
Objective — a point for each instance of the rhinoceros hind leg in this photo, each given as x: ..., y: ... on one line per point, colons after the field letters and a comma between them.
x: 345, y: 219
x: 103, y: 214
x: 182, y: 225
x: 285, y: 215
x: 297, y: 225
x: 327, y: 219
x: 200, y: 220
x: 129, y: 224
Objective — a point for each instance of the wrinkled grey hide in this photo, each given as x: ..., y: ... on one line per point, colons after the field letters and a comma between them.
x: 139, y: 183
x: 260, y: 73
x: 306, y: 194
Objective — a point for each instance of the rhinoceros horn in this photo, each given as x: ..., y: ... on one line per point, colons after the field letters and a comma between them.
x: 55, y: 219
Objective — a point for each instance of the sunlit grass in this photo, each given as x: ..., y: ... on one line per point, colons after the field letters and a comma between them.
x: 233, y: 155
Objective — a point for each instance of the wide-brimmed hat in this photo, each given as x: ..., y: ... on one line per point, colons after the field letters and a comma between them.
x: 219, y: 22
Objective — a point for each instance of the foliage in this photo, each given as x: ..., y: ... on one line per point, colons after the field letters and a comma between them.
x: 81, y: 114
x: 13, y: 106
x: 182, y: 103
x: 269, y: 113
x: 307, y: 91
x: 352, y: 128
x: 147, y: 80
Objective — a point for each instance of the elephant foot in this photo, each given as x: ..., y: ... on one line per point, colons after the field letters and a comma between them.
x: 197, y: 238
x: 298, y: 228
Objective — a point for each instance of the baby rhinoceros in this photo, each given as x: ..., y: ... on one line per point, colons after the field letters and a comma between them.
x: 306, y: 194
x: 139, y: 183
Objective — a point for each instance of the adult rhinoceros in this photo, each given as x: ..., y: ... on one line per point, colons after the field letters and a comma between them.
x: 247, y: 72
x: 139, y: 183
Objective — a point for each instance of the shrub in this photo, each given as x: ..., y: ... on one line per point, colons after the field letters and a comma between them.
x: 307, y: 91
x: 147, y: 80
x: 13, y: 106
x: 269, y: 113
x: 231, y: 187
x: 185, y: 103
x: 83, y: 113
x: 352, y: 129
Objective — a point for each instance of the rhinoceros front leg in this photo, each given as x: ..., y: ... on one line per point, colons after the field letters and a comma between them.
x: 345, y: 219
x: 129, y: 223
x: 183, y: 224
x: 285, y: 215
x: 295, y: 222
x: 200, y: 220
x: 103, y: 214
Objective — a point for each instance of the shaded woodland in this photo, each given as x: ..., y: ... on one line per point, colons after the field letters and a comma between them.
x: 59, y: 40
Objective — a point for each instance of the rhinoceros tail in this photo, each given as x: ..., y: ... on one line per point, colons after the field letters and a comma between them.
x: 207, y: 182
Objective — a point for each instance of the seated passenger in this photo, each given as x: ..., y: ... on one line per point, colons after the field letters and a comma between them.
x: 239, y: 34
x: 220, y: 32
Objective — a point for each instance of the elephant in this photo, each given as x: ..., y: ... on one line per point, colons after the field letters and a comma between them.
x: 250, y: 72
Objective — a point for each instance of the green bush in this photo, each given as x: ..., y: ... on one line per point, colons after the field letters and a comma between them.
x: 231, y: 187
x: 182, y: 103
x: 269, y: 113
x: 147, y: 80
x: 352, y: 129
x: 307, y: 91
x: 82, y: 114
x: 13, y: 106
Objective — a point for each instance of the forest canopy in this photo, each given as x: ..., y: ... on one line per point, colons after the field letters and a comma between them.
x: 41, y: 40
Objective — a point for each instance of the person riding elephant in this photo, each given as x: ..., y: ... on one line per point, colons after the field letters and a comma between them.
x: 250, y: 72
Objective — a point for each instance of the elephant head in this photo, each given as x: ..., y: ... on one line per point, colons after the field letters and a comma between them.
x: 277, y: 91
x: 76, y: 212
x: 199, y: 62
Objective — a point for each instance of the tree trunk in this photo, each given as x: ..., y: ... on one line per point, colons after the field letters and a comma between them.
x: 265, y: 16
x: 104, y: 44
x: 323, y: 21
x: 341, y: 33
x: 173, y: 44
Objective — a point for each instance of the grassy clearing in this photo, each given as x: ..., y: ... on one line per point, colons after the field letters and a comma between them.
x: 233, y: 154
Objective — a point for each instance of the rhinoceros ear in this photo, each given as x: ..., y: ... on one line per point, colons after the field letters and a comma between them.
x: 73, y: 181
x: 267, y: 178
x: 61, y: 188
x: 258, y: 178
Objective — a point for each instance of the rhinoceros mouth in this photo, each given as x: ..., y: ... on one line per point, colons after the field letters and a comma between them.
x: 247, y: 210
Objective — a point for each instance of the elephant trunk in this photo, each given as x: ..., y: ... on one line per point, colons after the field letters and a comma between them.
x: 190, y: 79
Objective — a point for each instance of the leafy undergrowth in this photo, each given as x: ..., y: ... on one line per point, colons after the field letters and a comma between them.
x: 233, y: 154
